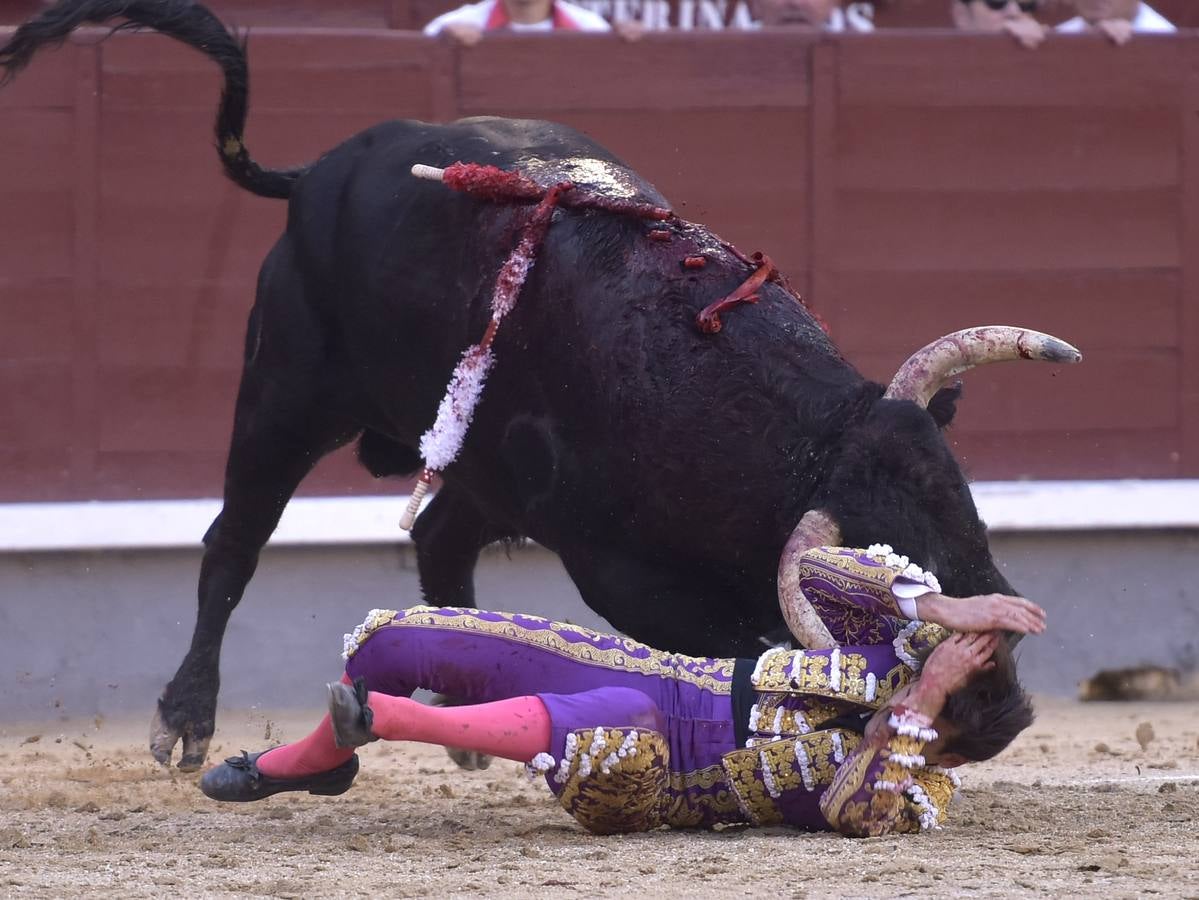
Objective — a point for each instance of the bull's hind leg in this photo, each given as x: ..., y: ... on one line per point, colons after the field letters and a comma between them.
x: 287, y: 417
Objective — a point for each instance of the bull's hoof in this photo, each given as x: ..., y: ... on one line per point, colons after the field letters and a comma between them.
x: 164, y: 737
x: 238, y: 780
x: 471, y: 760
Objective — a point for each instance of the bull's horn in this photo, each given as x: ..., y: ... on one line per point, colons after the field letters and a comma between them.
x: 815, y: 529
x: 927, y: 369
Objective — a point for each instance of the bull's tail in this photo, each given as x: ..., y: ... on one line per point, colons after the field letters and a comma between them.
x: 194, y: 25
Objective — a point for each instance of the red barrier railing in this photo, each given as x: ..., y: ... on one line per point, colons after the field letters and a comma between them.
x: 908, y: 185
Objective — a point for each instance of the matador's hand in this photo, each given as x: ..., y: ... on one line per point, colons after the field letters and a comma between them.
x: 953, y: 662
x: 986, y: 612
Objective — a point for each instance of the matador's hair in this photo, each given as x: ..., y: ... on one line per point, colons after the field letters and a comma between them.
x: 989, y: 711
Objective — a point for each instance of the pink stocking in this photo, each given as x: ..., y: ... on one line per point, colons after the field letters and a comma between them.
x: 309, y: 756
x: 517, y: 729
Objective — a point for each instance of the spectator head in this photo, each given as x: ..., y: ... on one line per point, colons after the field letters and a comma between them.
x: 1100, y: 10
x: 801, y: 13
x: 990, y: 15
x: 528, y: 12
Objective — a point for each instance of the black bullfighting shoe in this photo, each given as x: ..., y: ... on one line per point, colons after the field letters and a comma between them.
x: 238, y: 780
x: 349, y: 713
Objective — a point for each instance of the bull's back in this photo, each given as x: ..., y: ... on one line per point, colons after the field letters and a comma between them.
x: 602, y: 349
x: 406, y: 266
x: 365, y: 186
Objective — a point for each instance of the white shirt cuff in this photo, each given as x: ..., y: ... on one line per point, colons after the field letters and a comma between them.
x: 906, y: 593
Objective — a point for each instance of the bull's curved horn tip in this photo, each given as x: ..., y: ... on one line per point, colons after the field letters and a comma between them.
x: 1059, y: 351
x: 432, y: 173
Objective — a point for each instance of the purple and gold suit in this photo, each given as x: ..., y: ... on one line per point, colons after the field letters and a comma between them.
x: 642, y: 738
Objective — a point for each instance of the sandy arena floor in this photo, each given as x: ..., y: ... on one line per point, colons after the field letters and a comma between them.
x: 1076, y: 808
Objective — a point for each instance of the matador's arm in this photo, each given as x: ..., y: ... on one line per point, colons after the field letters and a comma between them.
x: 884, y: 786
x: 873, y: 596
x: 875, y: 580
x: 861, y: 596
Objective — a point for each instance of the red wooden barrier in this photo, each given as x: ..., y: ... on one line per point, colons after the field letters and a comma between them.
x: 910, y: 184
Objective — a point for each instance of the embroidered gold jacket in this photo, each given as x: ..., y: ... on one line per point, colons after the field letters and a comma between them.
x: 795, y: 772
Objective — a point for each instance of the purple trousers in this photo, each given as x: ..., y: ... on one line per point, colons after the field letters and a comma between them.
x: 584, y: 678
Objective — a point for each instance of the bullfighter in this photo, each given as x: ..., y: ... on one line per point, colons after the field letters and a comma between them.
x: 859, y: 738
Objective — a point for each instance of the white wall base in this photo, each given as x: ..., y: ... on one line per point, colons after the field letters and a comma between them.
x: 1006, y: 506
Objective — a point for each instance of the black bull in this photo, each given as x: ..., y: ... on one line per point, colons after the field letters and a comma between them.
x: 665, y: 466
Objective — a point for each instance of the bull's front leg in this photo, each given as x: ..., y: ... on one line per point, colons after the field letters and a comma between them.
x: 673, y: 605
x: 449, y: 535
x: 187, y: 709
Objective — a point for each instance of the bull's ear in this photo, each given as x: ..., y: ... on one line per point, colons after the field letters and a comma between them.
x: 944, y: 404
